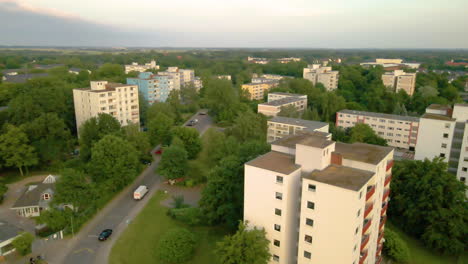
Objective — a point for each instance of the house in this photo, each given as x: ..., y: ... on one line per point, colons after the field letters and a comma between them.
x: 8, y: 233
x: 36, y: 198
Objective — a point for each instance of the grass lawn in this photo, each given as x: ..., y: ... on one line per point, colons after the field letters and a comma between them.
x: 421, y: 255
x: 138, y: 242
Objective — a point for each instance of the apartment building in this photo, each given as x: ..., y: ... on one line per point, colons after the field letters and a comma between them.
x: 267, y: 78
x: 386, y: 63
x: 443, y: 132
x: 181, y: 77
x: 398, y: 131
x: 324, y: 75
x: 320, y: 201
x: 279, y: 127
x: 288, y: 60
x: 141, y: 68
x: 257, y: 90
x: 400, y: 80
x: 116, y: 99
x: 226, y: 76
x: 257, y: 60
x: 154, y: 87
x: 278, y: 100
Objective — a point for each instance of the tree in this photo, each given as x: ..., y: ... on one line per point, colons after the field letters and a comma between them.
x: 174, y: 101
x: 23, y: 243
x: 311, y: 114
x: 289, y: 111
x: 249, y: 126
x: 428, y: 202
x: 394, y: 247
x: 176, y: 246
x: 364, y: 133
x: 74, y: 187
x: 95, y: 129
x: 221, y: 99
x: 190, y: 138
x: 159, y: 129
x: 3, y: 190
x: 174, y: 163
x: 15, y: 149
x: 160, y: 108
x: 139, y: 140
x: 245, y: 246
x: 56, y: 219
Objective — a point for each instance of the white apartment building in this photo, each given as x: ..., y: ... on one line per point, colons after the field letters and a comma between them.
x: 226, y: 76
x: 320, y: 201
x: 141, y: 68
x: 116, y: 99
x: 279, y: 127
x: 391, y: 63
x: 398, y: 131
x: 443, y: 133
x: 181, y: 77
x: 278, y: 100
x: 324, y: 75
x: 400, y: 80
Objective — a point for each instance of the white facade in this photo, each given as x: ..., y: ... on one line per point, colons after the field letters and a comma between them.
x: 279, y: 127
x: 181, y: 77
x: 141, y: 68
x: 391, y: 63
x: 400, y: 80
x: 324, y: 75
x: 276, y: 101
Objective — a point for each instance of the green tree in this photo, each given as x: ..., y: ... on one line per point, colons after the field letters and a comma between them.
x: 249, y: 126
x: 289, y: 111
x: 395, y: 248
x: 174, y: 163
x: 3, y: 190
x: 311, y: 114
x: 191, y: 139
x: 23, y: 243
x: 95, y: 129
x: 245, y: 246
x: 159, y: 129
x: 176, y: 246
x: 139, y: 140
x: 160, y: 108
x: 364, y: 133
x: 222, y: 100
x: 74, y: 187
x: 174, y: 101
x: 15, y: 149
x: 56, y: 219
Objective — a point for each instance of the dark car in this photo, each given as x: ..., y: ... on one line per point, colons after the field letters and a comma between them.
x: 192, y: 122
x: 105, y: 234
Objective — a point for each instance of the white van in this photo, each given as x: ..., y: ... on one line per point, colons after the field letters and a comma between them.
x: 140, y: 192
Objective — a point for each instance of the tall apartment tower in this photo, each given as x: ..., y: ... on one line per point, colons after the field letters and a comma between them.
x: 116, y: 99
x: 324, y: 75
x: 442, y: 133
x: 153, y: 87
x: 400, y: 80
x: 320, y: 201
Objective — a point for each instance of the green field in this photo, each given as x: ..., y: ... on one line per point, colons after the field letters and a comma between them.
x: 138, y: 242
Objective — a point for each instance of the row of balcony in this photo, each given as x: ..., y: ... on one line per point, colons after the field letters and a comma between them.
x: 389, y: 165
x: 363, y: 256
x: 388, y: 179
x: 386, y: 194
x: 370, y: 192
x: 365, y: 226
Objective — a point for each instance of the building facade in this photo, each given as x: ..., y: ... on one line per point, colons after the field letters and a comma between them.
x: 400, y: 80
x: 324, y: 75
x: 141, y: 68
x: 278, y: 100
x: 398, y: 131
x: 153, y: 87
x: 288, y: 60
x: 320, y: 201
x: 386, y: 63
x: 115, y: 99
x: 257, y: 90
x: 279, y: 127
x: 181, y: 77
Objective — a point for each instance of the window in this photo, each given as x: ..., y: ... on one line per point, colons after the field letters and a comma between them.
x: 465, y: 159
x: 359, y: 212
x: 276, y: 243
x: 46, y: 196
x: 355, y: 247
x: 276, y: 258
x: 390, y: 134
x: 444, y: 145
x: 445, y: 135
x: 310, y: 205
x: 308, y: 239
x: 360, y: 195
x: 442, y: 155
x: 357, y: 230
x: 312, y: 187
x: 307, y: 254
x: 309, y: 222
x: 279, y: 179
x: 277, y: 227
x: 447, y: 125
x: 462, y: 179
x: 277, y: 211
x: 464, y: 169
x: 279, y: 196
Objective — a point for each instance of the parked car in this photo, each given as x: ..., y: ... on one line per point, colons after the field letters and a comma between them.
x: 140, y: 192
x: 105, y: 234
x: 159, y: 151
x: 192, y: 122
x: 202, y: 113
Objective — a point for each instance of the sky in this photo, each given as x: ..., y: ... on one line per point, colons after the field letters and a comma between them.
x: 236, y: 23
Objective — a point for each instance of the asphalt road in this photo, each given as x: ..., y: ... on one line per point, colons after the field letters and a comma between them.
x: 116, y: 215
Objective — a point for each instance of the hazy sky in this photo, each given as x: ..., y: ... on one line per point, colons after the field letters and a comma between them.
x: 236, y: 23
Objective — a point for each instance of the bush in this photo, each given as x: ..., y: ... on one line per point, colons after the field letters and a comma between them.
x: 395, y: 248
x: 176, y: 246
x: 178, y: 201
x: 3, y: 190
x: 23, y: 243
x: 190, y: 216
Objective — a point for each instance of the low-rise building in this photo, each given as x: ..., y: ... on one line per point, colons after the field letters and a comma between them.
x: 36, y: 198
x: 77, y: 70
x: 400, y: 80
x: 324, y: 75
x: 153, y: 87
x: 391, y: 63
x: 22, y: 78
x: 279, y: 127
x: 141, y: 68
x: 276, y: 101
x: 257, y: 90
x: 288, y: 60
x: 226, y: 76
x: 257, y: 60
x: 398, y: 131
x: 267, y: 78
x: 8, y: 233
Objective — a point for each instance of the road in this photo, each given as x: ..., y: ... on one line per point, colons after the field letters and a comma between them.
x: 85, y: 247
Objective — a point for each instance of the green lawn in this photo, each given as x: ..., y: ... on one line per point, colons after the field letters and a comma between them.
x: 138, y: 242
x: 421, y: 255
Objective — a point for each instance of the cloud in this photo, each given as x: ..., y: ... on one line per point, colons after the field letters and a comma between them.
x: 18, y: 5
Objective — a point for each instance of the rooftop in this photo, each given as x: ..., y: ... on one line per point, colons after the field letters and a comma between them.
x: 275, y: 161
x: 437, y: 117
x: 362, y: 152
x: 22, y: 78
x: 8, y: 231
x: 311, y: 139
x: 32, y: 196
x: 283, y: 101
x: 312, y: 125
x: 439, y: 107
x: 380, y: 115
x: 341, y: 176
x: 287, y: 94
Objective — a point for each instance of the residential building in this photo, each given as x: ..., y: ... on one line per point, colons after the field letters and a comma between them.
x: 77, y: 70
x: 443, y: 132
x: 279, y: 127
x: 288, y: 60
x: 257, y: 90
x: 181, y: 77
x: 8, y: 233
x: 400, y: 80
x: 267, y: 78
x: 141, y: 68
x: 226, y: 76
x: 22, y: 78
x: 197, y: 83
x: 324, y: 75
x: 12, y: 71
x: 116, y: 99
x: 36, y: 198
x: 257, y: 60
x: 320, y: 201
x: 47, y: 66
x: 276, y: 101
x: 399, y: 131
x: 153, y: 87
x: 391, y: 63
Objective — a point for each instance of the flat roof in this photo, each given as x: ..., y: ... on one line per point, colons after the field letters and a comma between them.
x: 437, y: 117
x: 362, y: 152
x: 341, y: 176
x: 8, y: 231
x: 380, y: 115
x: 275, y: 161
x: 288, y: 94
x: 439, y: 107
x: 312, y: 125
x: 311, y: 139
x: 283, y: 101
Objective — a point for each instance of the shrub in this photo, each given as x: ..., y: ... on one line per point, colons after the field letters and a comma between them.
x: 176, y: 246
x: 3, y: 190
x: 395, y: 248
x: 190, y: 216
x: 23, y: 243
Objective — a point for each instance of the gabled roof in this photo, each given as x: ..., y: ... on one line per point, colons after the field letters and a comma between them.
x: 32, y: 195
x: 8, y: 231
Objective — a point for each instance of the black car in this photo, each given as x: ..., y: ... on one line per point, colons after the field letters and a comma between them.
x: 105, y: 234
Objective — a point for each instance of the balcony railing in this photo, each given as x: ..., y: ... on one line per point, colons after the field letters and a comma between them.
x: 384, y: 208
x: 379, y: 249
x: 369, y: 208
x: 388, y: 179
x: 383, y: 219
x: 363, y: 256
x: 381, y: 235
x: 379, y: 260
x: 364, y: 241
x: 389, y: 164
x: 367, y: 223
x: 370, y: 192
x: 385, y: 195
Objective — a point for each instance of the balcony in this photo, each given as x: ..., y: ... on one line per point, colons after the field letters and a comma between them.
x: 384, y: 208
x: 389, y: 165
x: 379, y: 260
x: 386, y: 194
x: 368, y: 209
x: 381, y: 235
x: 388, y: 179
x: 383, y: 219
x: 379, y: 250
x: 364, y: 241
x: 370, y: 192
x: 363, y: 256
x: 365, y: 226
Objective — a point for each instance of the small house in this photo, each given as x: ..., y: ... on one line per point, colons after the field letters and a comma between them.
x: 36, y: 198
